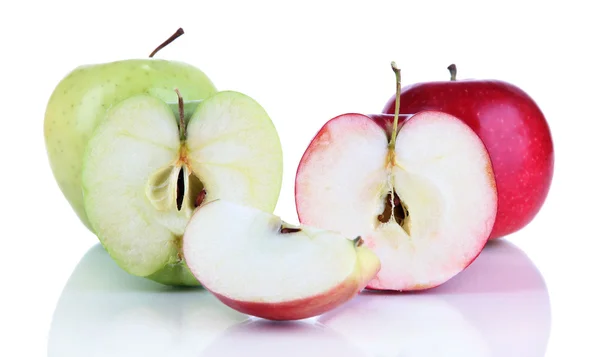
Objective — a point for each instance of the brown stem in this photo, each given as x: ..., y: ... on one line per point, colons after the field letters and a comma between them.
x: 452, y: 69
x: 396, y: 70
x: 174, y: 36
x: 181, y: 115
x: 286, y: 230
x: 358, y: 241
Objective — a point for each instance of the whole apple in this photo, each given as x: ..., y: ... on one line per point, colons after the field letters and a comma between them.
x: 512, y: 127
x: 80, y: 101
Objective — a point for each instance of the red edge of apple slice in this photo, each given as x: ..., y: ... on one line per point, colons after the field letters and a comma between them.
x: 294, y: 309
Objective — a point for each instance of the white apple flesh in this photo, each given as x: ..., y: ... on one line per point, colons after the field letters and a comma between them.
x: 143, y: 177
x: 261, y: 266
x: 425, y: 204
x: 80, y: 101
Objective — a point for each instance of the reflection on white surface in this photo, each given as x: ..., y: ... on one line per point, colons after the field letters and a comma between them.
x: 106, y: 312
x: 288, y: 339
x: 499, y: 306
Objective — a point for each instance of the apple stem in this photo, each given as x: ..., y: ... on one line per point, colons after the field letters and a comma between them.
x: 287, y: 230
x: 174, y: 36
x: 452, y: 69
x: 181, y: 115
x: 358, y: 241
x: 396, y: 70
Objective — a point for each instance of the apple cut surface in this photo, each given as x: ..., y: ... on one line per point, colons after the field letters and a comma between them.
x: 142, y: 181
x: 80, y: 101
x: 257, y: 264
x: 513, y: 129
x: 426, y: 208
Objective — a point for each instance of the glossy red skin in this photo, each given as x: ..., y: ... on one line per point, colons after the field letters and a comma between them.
x: 296, y: 309
x: 513, y: 129
x: 386, y: 121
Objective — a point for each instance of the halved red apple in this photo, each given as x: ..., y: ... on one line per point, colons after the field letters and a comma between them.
x: 422, y: 196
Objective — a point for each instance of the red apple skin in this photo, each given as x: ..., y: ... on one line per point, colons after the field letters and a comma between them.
x: 513, y: 129
x: 296, y: 309
x: 386, y: 121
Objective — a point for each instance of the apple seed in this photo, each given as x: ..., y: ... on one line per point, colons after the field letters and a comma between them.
x: 393, y: 204
x: 200, y: 198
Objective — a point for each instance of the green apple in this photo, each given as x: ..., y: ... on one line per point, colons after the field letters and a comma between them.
x: 149, y: 165
x: 79, y: 103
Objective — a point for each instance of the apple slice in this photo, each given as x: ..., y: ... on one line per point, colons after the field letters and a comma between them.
x: 423, y: 197
x: 257, y: 264
x: 144, y: 174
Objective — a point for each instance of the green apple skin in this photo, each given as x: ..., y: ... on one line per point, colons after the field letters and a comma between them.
x: 81, y: 99
x: 177, y: 274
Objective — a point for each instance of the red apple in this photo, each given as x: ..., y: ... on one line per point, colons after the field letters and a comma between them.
x: 512, y: 127
x: 419, y: 190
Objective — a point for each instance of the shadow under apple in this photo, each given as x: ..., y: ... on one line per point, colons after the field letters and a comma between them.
x: 499, y: 306
x: 103, y: 311
x: 269, y: 338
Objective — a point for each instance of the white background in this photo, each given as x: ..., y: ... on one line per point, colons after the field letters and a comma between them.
x: 305, y: 62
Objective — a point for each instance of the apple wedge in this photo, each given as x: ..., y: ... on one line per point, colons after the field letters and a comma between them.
x: 149, y: 165
x: 422, y: 196
x: 259, y: 265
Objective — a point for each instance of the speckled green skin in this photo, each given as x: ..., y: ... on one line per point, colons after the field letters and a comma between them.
x: 81, y: 99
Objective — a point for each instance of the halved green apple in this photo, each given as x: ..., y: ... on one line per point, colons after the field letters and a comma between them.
x: 149, y: 165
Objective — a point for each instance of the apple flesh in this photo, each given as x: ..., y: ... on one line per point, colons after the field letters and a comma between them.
x: 514, y: 131
x: 259, y: 265
x: 425, y: 205
x: 143, y: 175
x: 80, y: 101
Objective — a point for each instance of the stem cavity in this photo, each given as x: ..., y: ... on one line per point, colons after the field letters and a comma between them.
x: 452, y: 69
x: 174, y: 36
